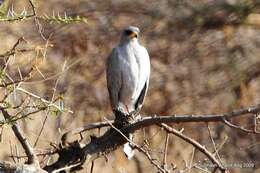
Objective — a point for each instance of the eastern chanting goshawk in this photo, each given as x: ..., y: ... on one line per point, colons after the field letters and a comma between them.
x: 128, y: 72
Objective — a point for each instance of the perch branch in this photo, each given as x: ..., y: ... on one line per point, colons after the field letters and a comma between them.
x: 141, y: 149
x: 112, y: 139
x: 148, y: 121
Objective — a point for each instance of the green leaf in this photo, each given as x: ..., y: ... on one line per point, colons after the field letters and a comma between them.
x: 4, y: 8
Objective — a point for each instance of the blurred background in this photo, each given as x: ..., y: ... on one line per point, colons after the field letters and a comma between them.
x: 204, y: 60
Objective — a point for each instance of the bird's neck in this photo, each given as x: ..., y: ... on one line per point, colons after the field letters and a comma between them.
x: 131, y: 42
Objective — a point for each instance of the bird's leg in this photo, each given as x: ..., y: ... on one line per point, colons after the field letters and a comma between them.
x: 130, y: 114
x: 128, y: 147
x: 120, y: 117
x: 127, y: 110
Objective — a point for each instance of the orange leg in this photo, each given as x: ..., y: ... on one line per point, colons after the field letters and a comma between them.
x: 127, y: 109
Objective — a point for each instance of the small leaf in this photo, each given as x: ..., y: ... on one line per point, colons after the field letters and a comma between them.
x: 4, y: 7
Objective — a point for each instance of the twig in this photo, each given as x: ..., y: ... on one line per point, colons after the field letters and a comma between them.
x: 50, y: 104
x: 220, y: 146
x: 214, y: 145
x: 24, y: 78
x: 196, y: 145
x: 166, y: 150
x: 38, y: 136
x: 16, y: 118
x: 33, y: 8
x: 11, y: 150
x: 66, y: 168
x: 37, y: 154
x: 12, y: 50
x: 32, y: 158
x: 192, y: 158
x: 17, y: 153
x: 1, y: 133
x: 92, y: 167
x: 51, y: 77
x: 152, y: 161
x: 36, y: 19
x: 255, y: 123
x: 141, y: 149
x: 201, y: 169
x: 91, y: 126
x: 121, y: 133
x: 241, y: 128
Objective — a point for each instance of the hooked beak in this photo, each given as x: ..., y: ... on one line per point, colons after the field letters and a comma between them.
x: 132, y: 35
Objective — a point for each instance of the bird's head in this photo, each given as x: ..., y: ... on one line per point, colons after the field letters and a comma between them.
x: 130, y: 33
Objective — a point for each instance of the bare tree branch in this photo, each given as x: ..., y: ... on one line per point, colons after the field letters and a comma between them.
x: 166, y: 150
x: 32, y: 158
x: 13, y: 49
x: 148, y: 121
x: 214, y: 145
x: 196, y: 145
x: 241, y: 128
x: 112, y: 139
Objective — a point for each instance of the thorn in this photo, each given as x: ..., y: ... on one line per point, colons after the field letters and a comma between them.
x: 23, y: 13
x: 8, y: 13
x: 12, y: 10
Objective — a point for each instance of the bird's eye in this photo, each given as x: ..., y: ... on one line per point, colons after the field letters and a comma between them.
x: 128, y: 32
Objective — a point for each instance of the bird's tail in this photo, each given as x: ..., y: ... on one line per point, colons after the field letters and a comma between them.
x: 121, y: 119
x: 129, y: 148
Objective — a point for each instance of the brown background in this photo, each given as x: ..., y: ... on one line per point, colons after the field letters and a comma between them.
x: 204, y: 59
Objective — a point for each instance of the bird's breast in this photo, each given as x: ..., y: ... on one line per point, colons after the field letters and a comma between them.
x: 130, y: 70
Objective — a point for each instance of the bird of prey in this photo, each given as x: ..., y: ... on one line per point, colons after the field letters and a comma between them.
x: 128, y: 72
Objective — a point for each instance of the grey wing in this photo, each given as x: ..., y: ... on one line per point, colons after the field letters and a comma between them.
x: 114, y: 81
x: 145, y: 65
x: 142, y: 95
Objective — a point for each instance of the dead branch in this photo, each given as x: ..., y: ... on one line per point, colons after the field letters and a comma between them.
x: 49, y: 103
x: 196, y: 145
x: 241, y: 128
x: 112, y: 139
x: 141, y: 149
x: 32, y: 158
x: 150, y: 120
x: 91, y: 126
x: 32, y: 162
x: 13, y: 49
x: 165, y: 150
